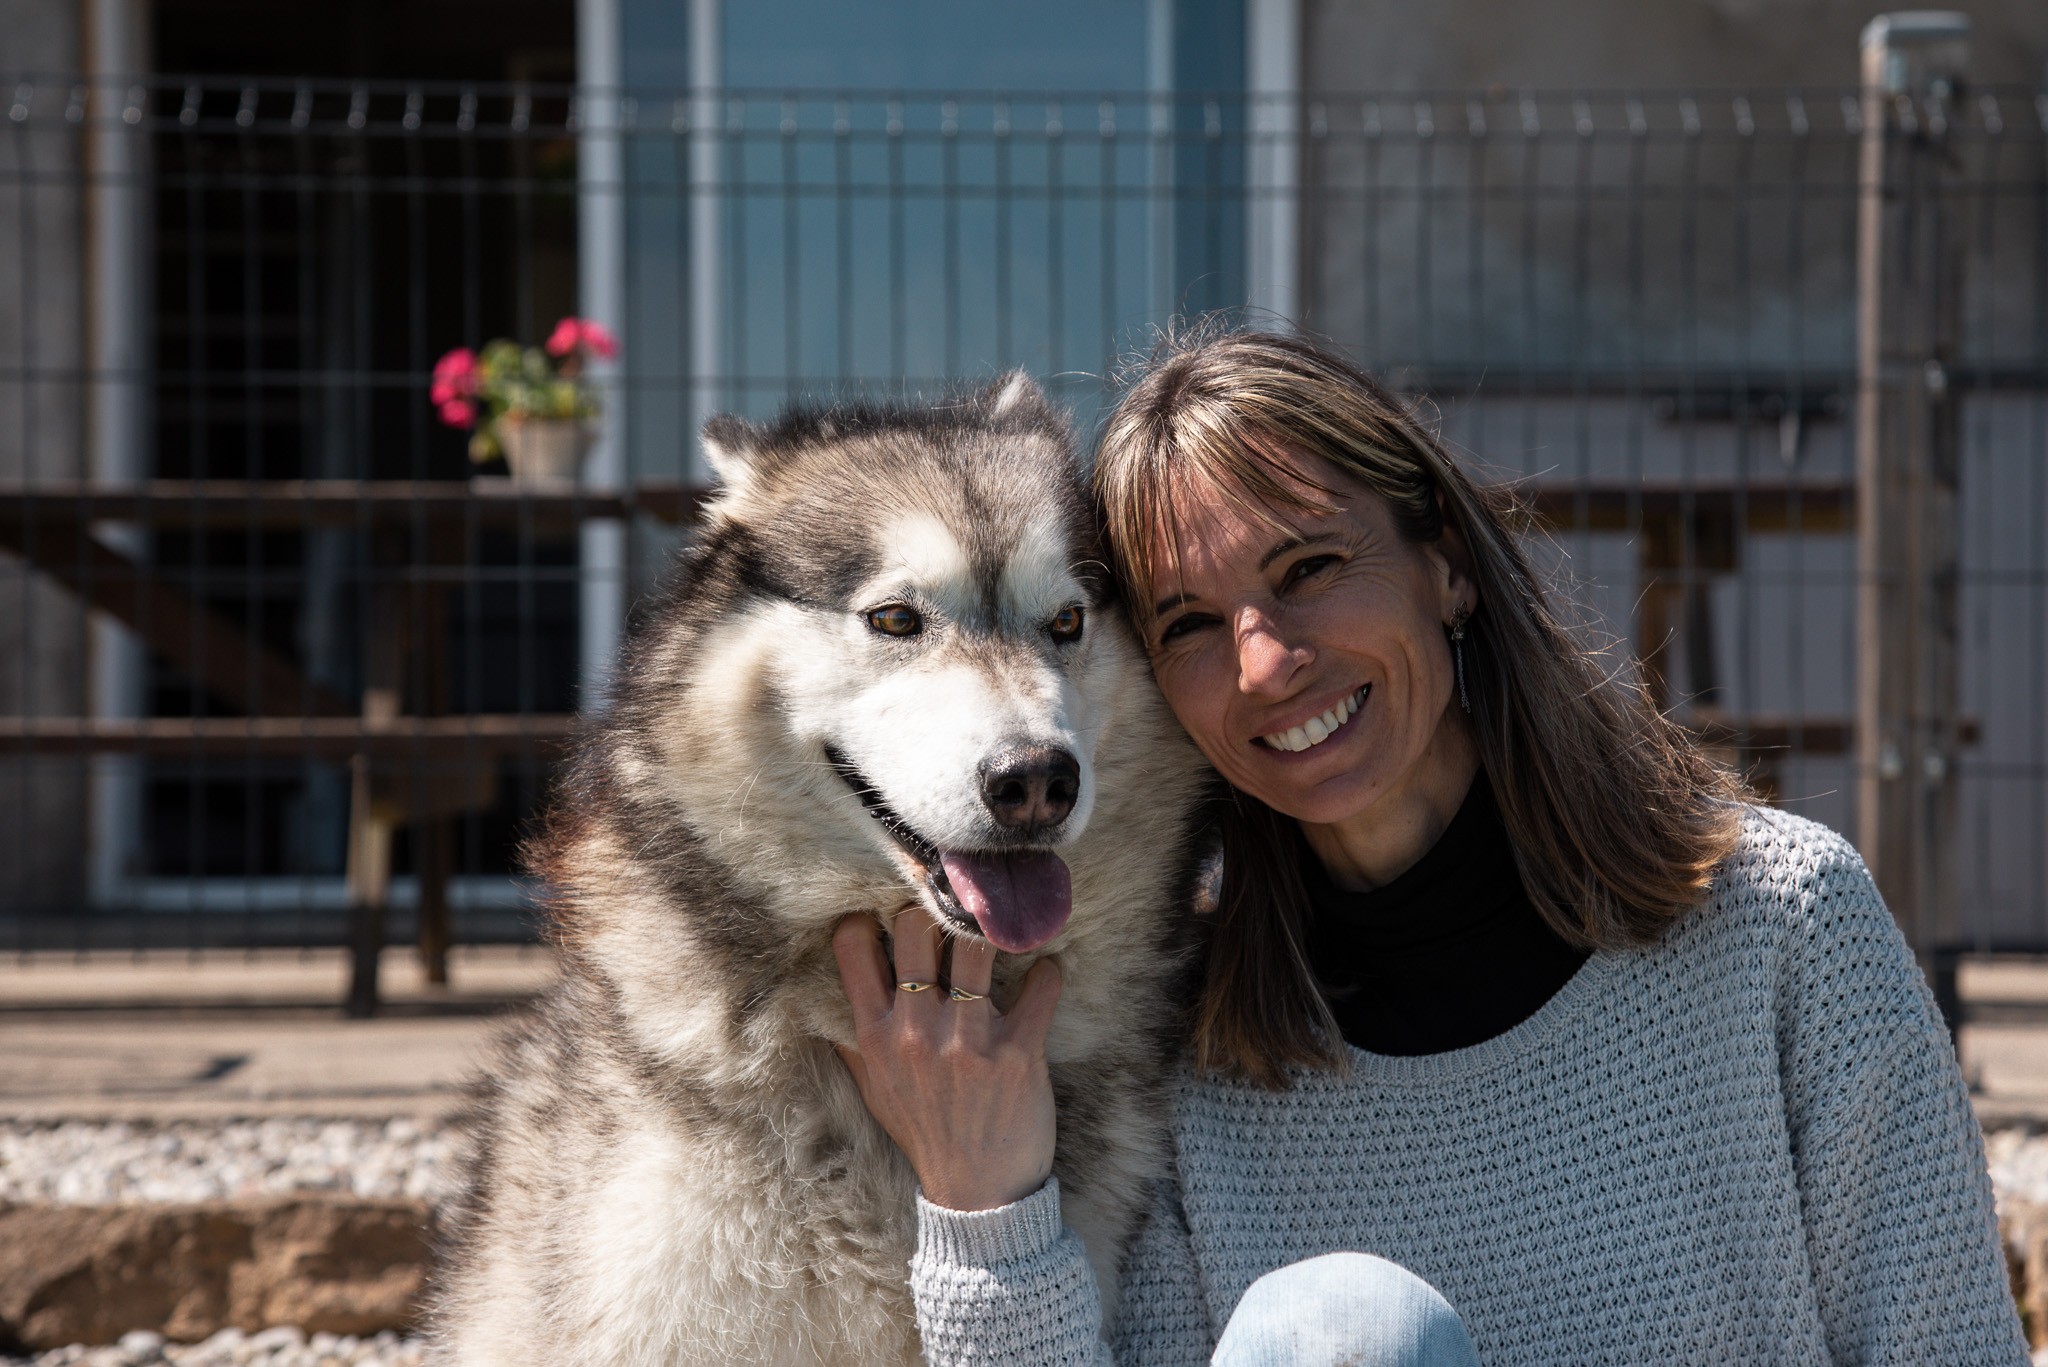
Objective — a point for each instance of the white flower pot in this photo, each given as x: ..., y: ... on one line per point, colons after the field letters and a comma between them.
x: 545, y: 449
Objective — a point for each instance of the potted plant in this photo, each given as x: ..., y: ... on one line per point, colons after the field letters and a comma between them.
x: 535, y: 406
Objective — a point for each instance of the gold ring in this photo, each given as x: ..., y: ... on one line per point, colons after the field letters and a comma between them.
x: 961, y: 994
x: 907, y: 986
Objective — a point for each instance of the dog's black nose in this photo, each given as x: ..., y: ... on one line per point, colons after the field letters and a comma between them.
x: 1031, y: 786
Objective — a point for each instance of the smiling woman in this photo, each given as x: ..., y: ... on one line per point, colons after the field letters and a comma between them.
x: 1296, y: 542
x: 1522, y: 1037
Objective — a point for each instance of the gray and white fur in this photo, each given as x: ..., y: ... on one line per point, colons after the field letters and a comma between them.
x: 670, y: 1164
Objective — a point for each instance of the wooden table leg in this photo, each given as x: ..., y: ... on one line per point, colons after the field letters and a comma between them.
x: 433, y: 857
x: 369, y: 887
x: 372, y: 822
x: 433, y: 832
x: 1654, y: 628
x: 1677, y: 555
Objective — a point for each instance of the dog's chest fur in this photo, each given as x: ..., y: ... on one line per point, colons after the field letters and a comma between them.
x: 741, y: 1206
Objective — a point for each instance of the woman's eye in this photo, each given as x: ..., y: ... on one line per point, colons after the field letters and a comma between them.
x: 1313, y: 565
x: 1177, y: 628
x: 895, y: 620
x: 1066, y: 624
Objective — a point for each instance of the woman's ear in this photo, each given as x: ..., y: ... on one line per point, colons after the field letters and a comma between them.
x: 1459, y: 588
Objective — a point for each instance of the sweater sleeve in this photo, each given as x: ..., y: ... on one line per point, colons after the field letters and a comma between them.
x: 1901, y: 1236
x: 1013, y: 1285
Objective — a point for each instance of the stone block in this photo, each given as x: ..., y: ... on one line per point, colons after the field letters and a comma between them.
x: 89, y: 1274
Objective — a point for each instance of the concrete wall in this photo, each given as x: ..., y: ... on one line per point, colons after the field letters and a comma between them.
x: 1489, y: 247
x: 1353, y: 45
x: 42, y: 309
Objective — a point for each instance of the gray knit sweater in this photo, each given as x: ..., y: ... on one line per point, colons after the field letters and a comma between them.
x: 1749, y: 1143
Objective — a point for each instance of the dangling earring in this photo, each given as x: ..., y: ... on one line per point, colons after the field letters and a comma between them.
x: 1458, y: 656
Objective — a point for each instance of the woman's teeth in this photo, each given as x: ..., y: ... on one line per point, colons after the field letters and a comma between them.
x: 1316, y: 730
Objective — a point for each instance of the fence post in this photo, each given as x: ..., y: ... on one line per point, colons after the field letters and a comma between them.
x: 1907, y: 523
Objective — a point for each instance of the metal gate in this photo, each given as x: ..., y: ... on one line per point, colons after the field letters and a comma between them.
x: 283, y: 666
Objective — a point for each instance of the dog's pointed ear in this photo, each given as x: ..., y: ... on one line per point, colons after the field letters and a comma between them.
x: 731, y: 445
x: 1014, y: 395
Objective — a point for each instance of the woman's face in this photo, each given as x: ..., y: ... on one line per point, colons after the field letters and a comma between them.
x: 1309, y: 663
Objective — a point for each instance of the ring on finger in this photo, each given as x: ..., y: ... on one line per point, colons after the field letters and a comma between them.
x: 911, y: 985
x: 961, y: 994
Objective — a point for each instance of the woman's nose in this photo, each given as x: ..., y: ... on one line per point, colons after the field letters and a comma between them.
x: 1266, y: 661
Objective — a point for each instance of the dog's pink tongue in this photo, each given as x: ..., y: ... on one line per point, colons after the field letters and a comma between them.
x: 1019, y: 900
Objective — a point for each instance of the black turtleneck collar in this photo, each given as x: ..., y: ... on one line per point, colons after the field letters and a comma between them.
x: 1447, y: 955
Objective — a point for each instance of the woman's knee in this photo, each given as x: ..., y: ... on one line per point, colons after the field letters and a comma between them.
x: 1350, y: 1308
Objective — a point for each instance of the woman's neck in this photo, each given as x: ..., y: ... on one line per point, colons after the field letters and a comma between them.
x: 1372, y: 848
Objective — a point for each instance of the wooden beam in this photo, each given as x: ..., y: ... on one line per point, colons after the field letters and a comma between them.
x: 234, y: 504
x: 217, y: 654
x: 229, y: 505
x: 455, y: 740
x: 1775, y: 507
x: 1793, y: 735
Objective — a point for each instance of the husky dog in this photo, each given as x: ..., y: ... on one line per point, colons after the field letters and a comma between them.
x: 891, y: 670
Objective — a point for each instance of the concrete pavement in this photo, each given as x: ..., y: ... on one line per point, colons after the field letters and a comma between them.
x: 174, y: 1035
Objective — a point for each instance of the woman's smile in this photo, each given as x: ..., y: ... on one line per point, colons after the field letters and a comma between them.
x: 1301, y: 737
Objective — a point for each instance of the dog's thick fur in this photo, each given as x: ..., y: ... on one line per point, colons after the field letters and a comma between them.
x: 670, y: 1164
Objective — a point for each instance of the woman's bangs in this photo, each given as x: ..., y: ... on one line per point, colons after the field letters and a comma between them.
x: 1212, y: 463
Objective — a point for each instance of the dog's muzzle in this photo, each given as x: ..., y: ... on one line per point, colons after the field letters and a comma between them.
x: 922, y: 851
x: 1017, y: 897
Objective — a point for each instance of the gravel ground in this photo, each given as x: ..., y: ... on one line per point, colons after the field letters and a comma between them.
x: 198, y: 1161
x: 94, y: 1164
x: 119, y: 1164
x: 2019, y: 1163
x: 233, y: 1348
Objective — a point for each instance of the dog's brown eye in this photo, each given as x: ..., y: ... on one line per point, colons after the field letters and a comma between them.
x: 1065, y: 624
x: 896, y: 620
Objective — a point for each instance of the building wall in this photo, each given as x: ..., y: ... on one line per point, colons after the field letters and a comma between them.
x: 1353, y: 45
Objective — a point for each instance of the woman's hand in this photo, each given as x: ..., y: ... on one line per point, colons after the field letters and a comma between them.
x: 962, y: 1090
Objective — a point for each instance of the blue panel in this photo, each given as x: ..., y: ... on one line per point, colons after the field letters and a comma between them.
x: 1209, y: 160
x: 654, y: 36
x: 1031, y: 221
x: 937, y: 44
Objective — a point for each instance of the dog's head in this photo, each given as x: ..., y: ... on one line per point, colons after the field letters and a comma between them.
x: 891, y: 662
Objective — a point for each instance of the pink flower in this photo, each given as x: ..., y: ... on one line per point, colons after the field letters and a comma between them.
x: 600, y: 340
x: 458, y: 413
x: 572, y: 334
x: 455, y: 375
x: 564, y: 339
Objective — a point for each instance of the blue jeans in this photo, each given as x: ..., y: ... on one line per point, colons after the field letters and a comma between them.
x: 1348, y: 1309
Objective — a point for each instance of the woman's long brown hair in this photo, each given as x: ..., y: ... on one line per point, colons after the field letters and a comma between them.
x: 1616, y: 817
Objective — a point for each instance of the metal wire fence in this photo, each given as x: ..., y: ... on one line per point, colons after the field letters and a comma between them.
x: 276, y: 651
